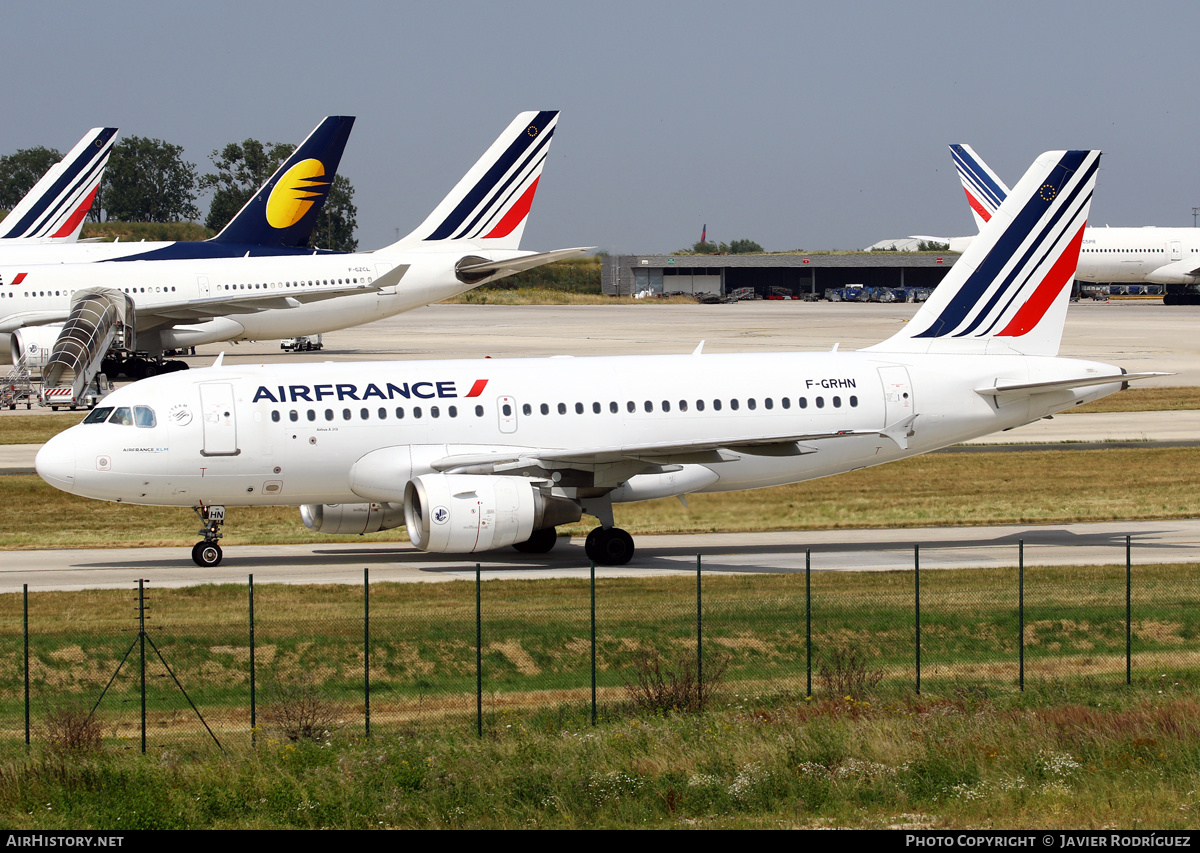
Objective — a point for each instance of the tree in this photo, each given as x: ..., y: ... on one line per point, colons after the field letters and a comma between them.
x: 745, y: 247
x: 20, y: 171
x: 148, y: 180
x: 241, y: 168
x: 737, y: 247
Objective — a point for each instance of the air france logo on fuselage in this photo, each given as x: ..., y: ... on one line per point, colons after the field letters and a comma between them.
x: 300, y: 187
x: 371, y: 391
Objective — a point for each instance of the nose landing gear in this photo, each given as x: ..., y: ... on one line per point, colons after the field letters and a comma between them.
x: 207, y: 553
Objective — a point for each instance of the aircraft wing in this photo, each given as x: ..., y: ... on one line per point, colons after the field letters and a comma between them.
x: 31, y: 318
x: 200, y: 310
x: 484, y: 269
x: 650, y: 455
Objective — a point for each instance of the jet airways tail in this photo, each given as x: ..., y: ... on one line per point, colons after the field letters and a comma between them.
x: 1008, y: 293
x: 285, y: 208
x: 984, y: 188
x: 54, y: 209
x: 489, y: 206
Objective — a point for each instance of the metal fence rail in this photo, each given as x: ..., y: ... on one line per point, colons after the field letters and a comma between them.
x: 223, y: 664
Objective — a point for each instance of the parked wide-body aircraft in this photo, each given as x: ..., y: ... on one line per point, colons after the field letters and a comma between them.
x: 480, y: 454
x: 472, y: 237
x: 53, y: 210
x: 1150, y: 253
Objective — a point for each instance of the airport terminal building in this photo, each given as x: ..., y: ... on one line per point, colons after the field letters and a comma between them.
x: 797, y: 274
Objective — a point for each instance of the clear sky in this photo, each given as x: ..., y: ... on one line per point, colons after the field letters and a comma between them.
x: 794, y: 124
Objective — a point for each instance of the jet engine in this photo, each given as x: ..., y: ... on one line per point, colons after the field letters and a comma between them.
x: 351, y: 518
x: 464, y: 513
x: 34, y: 344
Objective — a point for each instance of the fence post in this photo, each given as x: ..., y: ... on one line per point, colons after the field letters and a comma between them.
x: 917, y: 608
x: 593, y: 620
x: 253, y: 672
x: 808, y: 621
x: 699, y: 644
x: 142, y: 651
x: 25, y: 631
x: 1021, y: 613
x: 478, y: 659
x: 367, y: 652
x: 1128, y: 615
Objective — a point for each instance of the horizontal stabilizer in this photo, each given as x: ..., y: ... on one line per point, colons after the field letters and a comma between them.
x: 485, y: 269
x: 1031, y: 388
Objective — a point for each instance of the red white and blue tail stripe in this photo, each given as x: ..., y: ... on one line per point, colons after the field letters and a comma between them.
x: 489, y: 206
x: 984, y: 188
x: 56, y: 206
x: 1008, y: 292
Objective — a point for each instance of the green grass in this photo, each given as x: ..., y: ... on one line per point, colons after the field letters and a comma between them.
x: 936, y: 489
x: 36, y: 429
x: 536, y: 650
x: 1167, y: 399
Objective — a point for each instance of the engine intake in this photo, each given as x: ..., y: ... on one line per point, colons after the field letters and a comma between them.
x: 465, y: 513
x: 34, y: 344
x: 351, y: 518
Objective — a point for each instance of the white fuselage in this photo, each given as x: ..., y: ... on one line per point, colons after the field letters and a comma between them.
x: 39, y: 294
x: 342, y: 433
x: 1158, y: 255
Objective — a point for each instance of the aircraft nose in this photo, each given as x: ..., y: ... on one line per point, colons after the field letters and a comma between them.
x: 55, y: 462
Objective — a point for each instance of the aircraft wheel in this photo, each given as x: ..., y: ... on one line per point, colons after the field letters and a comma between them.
x: 206, y: 554
x: 611, y: 547
x: 539, y: 542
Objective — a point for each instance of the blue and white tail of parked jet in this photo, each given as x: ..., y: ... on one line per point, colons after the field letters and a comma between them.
x: 490, y: 205
x: 984, y: 188
x: 54, y: 209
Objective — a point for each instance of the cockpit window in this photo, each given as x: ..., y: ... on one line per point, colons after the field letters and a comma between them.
x: 122, y: 416
x: 98, y: 416
x: 143, y: 416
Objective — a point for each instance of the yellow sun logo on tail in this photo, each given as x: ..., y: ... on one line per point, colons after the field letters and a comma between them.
x: 295, y: 193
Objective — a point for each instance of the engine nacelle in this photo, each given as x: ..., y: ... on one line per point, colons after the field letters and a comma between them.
x: 34, y: 344
x: 351, y: 518
x: 465, y: 513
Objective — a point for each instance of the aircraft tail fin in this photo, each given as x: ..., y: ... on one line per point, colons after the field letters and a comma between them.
x: 284, y: 210
x: 1008, y: 293
x: 54, y: 209
x: 984, y: 188
x: 488, y: 208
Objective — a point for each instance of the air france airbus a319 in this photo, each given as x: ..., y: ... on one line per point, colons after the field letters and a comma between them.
x: 479, y: 454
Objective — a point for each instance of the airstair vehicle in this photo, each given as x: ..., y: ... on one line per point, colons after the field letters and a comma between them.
x: 71, y: 376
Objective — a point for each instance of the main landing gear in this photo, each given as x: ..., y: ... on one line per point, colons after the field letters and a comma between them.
x: 539, y: 542
x: 609, y: 546
x: 207, y: 553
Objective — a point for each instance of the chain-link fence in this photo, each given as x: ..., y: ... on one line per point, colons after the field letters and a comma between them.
x: 207, y: 666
